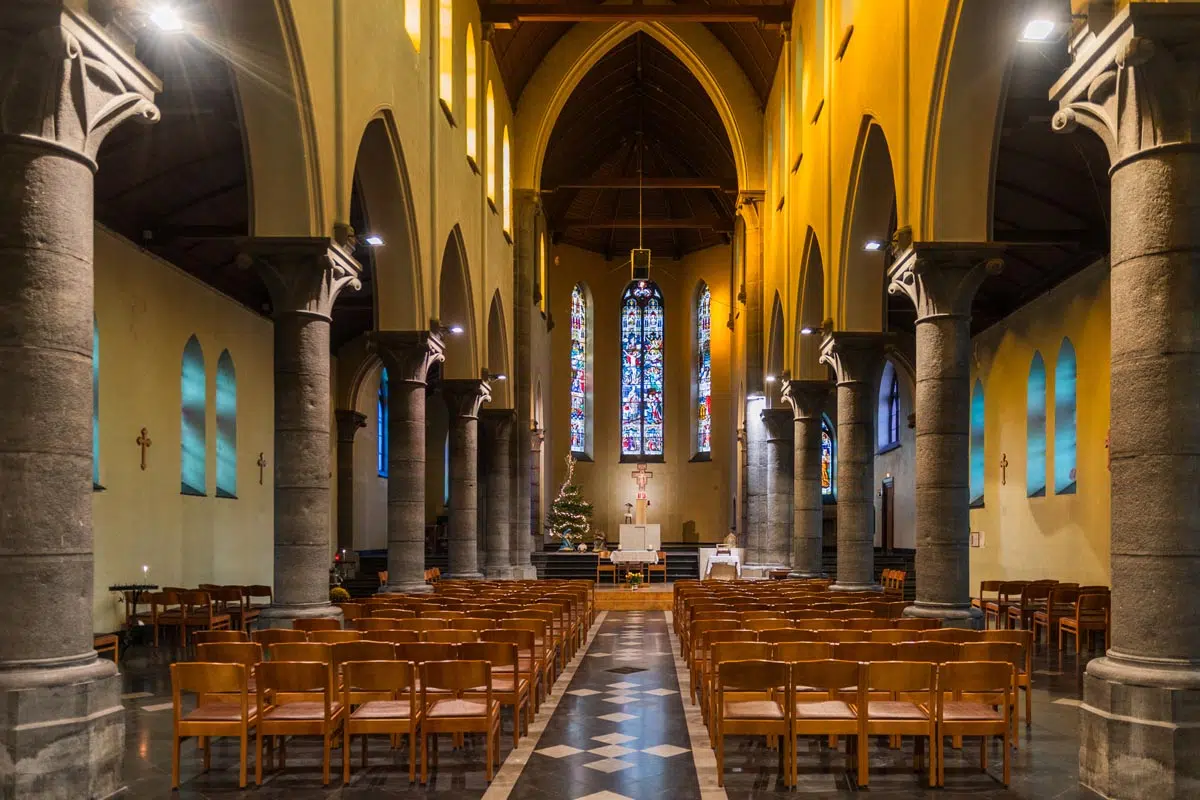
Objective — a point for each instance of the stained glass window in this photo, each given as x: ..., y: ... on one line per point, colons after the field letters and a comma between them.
x: 704, y: 370
x: 1035, y: 429
x: 976, y: 469
x: 1064, y: 420
x: 579, y: 369
x: 642, y: 370
x: 193, y: 444
x: 827, y: 466
x: 381, y: 426
x: 226, y: 426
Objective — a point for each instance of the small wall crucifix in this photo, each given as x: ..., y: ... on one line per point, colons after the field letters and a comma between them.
x: 1004, y: 469
x: 262, y: 464
x: 143, y: 441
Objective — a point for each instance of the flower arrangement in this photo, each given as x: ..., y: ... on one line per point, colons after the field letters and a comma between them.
x: 338, y: 595
x: 633, y: 577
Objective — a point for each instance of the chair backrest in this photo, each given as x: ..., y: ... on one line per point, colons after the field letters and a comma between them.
x: 317, y: 624
x: 498, y: 654
x: 368, y: 624
x: 958, y: 635
x: 419, y: 652
x: 917, y: 624
x: 379, y: 675
x: 352, y: 611
x: 202, y: 677
x: 843, y: 635
x: 864, y: 651
x: 301, y: 651
x: 392, y: 636
x: 422, y: 624
x: 802, y: 651
x: 815, y: 623
x: 809, y: 613
x: 225, y: 596
x: 334, y: 637
x: 269, y: 636
x: 391, y: 612
x: 745, y: 615
x: 1061, y: 596
x: 293, y: 676
x: 830, y: 674
x: 258, y: 590
x: 900, y: 676
x: 740, y: 651
x: 931, y: 652
x: 526, y: 623
x: 450, y: 635
x: 1009, y: 652
x: 455, y: 676
x: 1010, y: 590
x: 768, y: 624
x: 865, y: 624
x: 245, y: 653
x: 976, y: 676
x: 1035, y: 592
x: 475, y: 624
x: 989, y: 586
x: 443, y: 614
x: 776, y: 635
x: 362, y: 651
x: 753, y: 675
x: 1092, y: 604
x: 709, y: 638
x: 196, y: 602
x: 212, y: 637
x: 894, y: 635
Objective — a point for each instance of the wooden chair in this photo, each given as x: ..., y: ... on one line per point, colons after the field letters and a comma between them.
x: 912, y: 711
x: 893, y: 635
x: 269, y: 636
x: 660, y: 568
x: 213, y: 637
x: 391, y: 612
x: 107, y: 643
x: 279, y: 716
x: 864, y: 651
x: 770, y: 717
x: 257, y: 592
x: 1092, y: 615
x: 768, y: 624
x: 509, y: 686
x: 958, y: 717
x: 317, y: 624
x: 1033, y: 598
x: 420, y: 625
x: 392, y: 636
x: 385, y: 695
x: 1059, y: 604
x: 1008, y: 594
x: 718, y: 650
x: 165, y: 612
x: 604, y: 566
x: 865, y: 624
x: 369, y: 624
x: 452, y: 635
x: 451, y: 710
x: 776, y: 635
x: 815, y: 624
x: 230, y: 714
x: 248, y: 654
x: 302, y: 651
x: 527, y: 660
x: 475, y: 624
x: 843, y: 635
x: 917, y: 624
x: 230, y: 600
x: 335, y: 637
x: 545, y: 660
x: 352, y: 611
x: 984, y: 588
x: 199, y: 614
x: 956, y: 635
x: 929, y: 652
x: 1010, y: 652
x: 821, y: 709
x: 1025, y: 670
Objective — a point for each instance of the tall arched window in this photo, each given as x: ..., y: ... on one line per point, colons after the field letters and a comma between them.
x: 797, y: 93
x: 446, y: 53
x: 1064, y: 419
x: 976, y: 458
x: 489, y: 112
x: 412, y: 22
x: 95, y: 403
x: 472, y: 96
x: 226, y: 426
x: 642, y: 372
x: 704, y: 369
x: 1035, y: 429
x: 193, y: 444
x: 381, y: 426
x: 828, y: 462
x: 888, y: 423
x: 507, y: 178
x: 581, y: 360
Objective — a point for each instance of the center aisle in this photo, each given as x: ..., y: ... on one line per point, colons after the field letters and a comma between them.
x: 619, y: 730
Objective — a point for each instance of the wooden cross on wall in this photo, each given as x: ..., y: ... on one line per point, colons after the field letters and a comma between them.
x: 143, y: 441
x: 262, y: 464
x: 641, y: 476
x: 1004, y: 469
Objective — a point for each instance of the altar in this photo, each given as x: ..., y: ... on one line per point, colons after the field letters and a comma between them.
x: 710, y: 556
x: 641, y: 537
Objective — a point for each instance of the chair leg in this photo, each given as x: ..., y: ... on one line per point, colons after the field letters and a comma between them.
x: 346, y: 753
x: 983, y: 753
x: 258, y: 756
x: 864, y: 765
x: 720, y: 759
x: 176, y: 742
x: 325, y: 761
x: 424, y: 755
x: 242, y: 766
x: 412, y: 755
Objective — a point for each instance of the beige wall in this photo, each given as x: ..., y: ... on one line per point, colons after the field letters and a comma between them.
x: 146, y: 309
x: 901, y: 465
x: 1056, y: 536
x: 681, y: 490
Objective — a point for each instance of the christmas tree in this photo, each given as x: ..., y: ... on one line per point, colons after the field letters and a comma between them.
x: 570, y: 514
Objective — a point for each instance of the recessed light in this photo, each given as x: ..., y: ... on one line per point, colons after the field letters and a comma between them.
x: 167, y: 19
x: 1037, y: 30
x: 374, y: 240
x: 872, y: 245
x: 456, y: 329
x: 806, y: 331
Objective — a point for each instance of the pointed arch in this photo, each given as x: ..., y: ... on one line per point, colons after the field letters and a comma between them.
x: 1065, y: 443
x: 887, y: 428
x: 810, y: 302
x: 1035, y: 428
x: 193, y: 442
x: 582, y: 338
x: 643, y: 372
x: 868, y: 216
x: 702, y: 370
x: 226, y: 426
x: 497, y: 354
x: 472, y: 98
x: 977, y: 442
x: 456, y: 309
x: 775, y: 346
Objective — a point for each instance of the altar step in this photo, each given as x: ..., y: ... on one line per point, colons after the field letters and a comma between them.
x: 682, y: 564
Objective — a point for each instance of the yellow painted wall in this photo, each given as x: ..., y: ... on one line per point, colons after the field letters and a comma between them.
x: 1056, y: 536
x: 146, y: 309
x: 680, y: 490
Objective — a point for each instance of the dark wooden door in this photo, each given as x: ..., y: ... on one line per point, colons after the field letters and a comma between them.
x: 888, y: 509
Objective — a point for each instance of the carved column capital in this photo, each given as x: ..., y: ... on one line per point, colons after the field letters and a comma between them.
x: 856, y: 357
x: 779, y: 423
x: 348, y: 424
x: 464, y: 396
x: 64, y: 83
x: 1135, y: 83
x: 304, y: 274
x: 807, y: 398
x: 408, y: 355
x: 941, y: 278
x: 537, y: 436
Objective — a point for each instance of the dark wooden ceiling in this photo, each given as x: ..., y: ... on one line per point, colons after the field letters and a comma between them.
x: 641, y: 109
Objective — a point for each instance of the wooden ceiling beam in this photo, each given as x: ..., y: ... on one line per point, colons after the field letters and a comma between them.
x: 684, y: 223
x: 506, y: 15
x: 719, y: 184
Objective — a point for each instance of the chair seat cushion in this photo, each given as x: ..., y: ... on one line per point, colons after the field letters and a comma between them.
x: 962, y: 711
x: 451, y: 707
x: 219, y: 712
x: 825, y: 709
x: 302, y: 710
x: 894, y: 710
x: 383, y: 709
x: 753, y: 709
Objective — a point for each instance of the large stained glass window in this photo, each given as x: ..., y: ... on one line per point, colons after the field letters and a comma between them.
x: 381, y: 426
x: 976, y: 460
x: 580, y: 336
x: 193, y: 447
x: 1035, y: 429
x: 642, y: 333
x: 1064, y: 420
x: 827, y: 464
x: 704, y: 370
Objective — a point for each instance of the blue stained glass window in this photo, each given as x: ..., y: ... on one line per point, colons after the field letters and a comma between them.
x: 1064, y: 419
x: 381, y: 426
x: 828, y: 466
x: 642, y: 370
x: 226, y: 426
x: 704, y: 371
x: 95, y: 403
x: 976, y: 458
x: 1035, y: 429
x: 579, y: 368
x: 193, y: 443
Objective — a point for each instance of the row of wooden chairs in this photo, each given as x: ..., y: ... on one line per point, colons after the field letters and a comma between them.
x: 209, y: 607
x: 1047, y: 605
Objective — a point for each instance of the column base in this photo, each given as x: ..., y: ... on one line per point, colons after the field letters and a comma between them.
x: 1140, y: 730
x: 800, y: 574
x: 463, y: 576
x: 62, y: 732
x: 855, y: 587
x: 500, y: 573
x: 406, y: 588
x: 281, y: 616
x: 951, y: 616
x: 524, y: 572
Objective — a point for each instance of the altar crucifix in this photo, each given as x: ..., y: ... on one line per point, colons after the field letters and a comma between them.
x: 641, y: 477
x: 143, y: 441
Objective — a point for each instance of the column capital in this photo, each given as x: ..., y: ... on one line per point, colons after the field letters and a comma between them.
x: 779, y: 422
x: 498, y: 422
x: 348, y: 424
x: 464, y: 396
x: 855, y: 356
x: 1134, y: 84
x: 64, y: 83
x: 408, y: 355
x: 304, y: 274
x: 807, y: 398
x: 941, y: 278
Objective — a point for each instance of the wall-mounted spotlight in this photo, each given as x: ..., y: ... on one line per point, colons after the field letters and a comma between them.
x: 807, y: 331
x: 373, y: 239
x: 770, y: 379
x: 1038, y: 30
x: 456, y: 329
x: 501, y: 377
x: 167, y: 19
x: 873, y: 245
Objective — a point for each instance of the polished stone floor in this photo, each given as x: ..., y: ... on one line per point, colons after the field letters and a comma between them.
x: 619, y: 725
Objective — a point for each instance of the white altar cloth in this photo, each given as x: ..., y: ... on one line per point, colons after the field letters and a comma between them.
x: 634, y: 556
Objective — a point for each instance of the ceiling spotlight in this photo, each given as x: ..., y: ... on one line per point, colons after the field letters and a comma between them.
x: 374, y: 240
x: 501, y: 377
x: 806, y: 331
x: 872, y: 245
x: 456, y: 329
x: 167, y: 19
x: 770, y: 379
x: 1037, y: 30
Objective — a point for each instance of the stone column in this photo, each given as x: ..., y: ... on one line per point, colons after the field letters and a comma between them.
x: 777, y: 543
x: 463, y: 398
x: 304, y: 276
x: 348, y: 424
x: 408, y: 356
x: 807, y: 399
x: 528, y: 212
x: 497, y: 429
x: 857, y: 359
x: 63, y: 86
x: 1137, y: 85
x: 756, y: 483
x: 537, y: 495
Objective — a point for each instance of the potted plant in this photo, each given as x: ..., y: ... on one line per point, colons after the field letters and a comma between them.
x: 633, y: 578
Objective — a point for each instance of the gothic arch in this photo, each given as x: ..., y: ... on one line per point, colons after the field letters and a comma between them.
x: 810, y: 314
x: 456, y: 309
x: 869, y: 204
x: 776, y: 344
x: 497, y: 354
